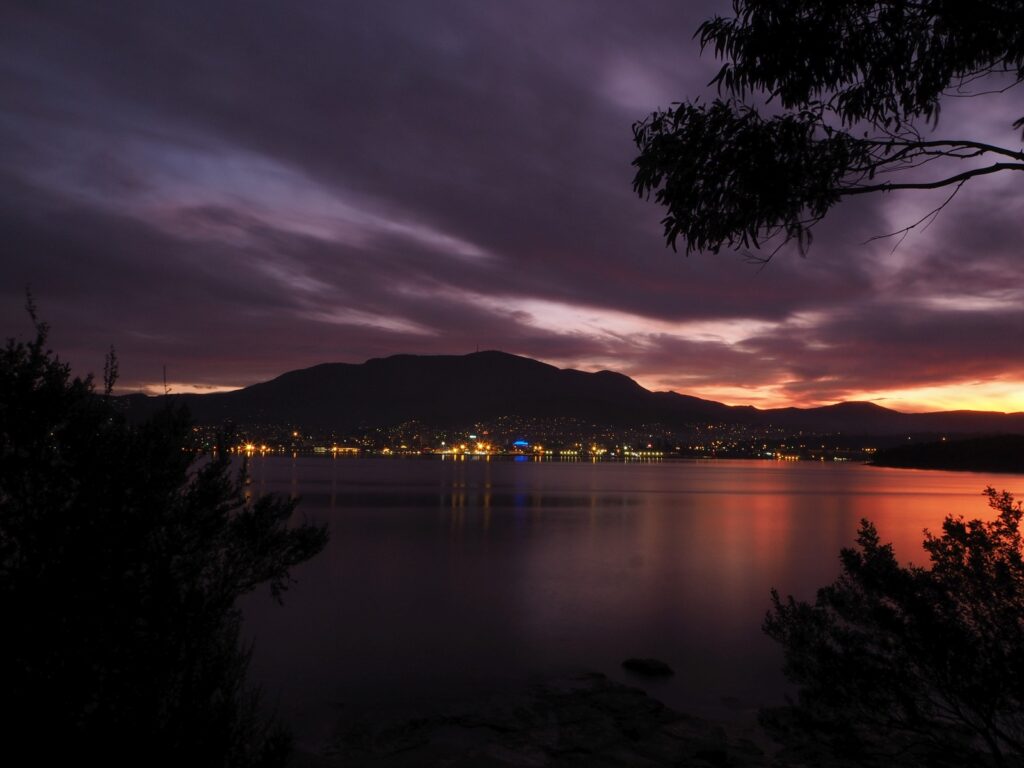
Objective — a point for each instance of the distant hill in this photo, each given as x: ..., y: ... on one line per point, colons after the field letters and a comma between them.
x: 998, y: 453
x: 870, y: 419
x: 457, y: 390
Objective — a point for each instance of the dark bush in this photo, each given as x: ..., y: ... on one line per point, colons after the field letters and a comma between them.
x: 122, y: 557
x: 909, y: 665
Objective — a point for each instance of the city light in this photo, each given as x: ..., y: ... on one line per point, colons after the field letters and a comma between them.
x: 542, y: 439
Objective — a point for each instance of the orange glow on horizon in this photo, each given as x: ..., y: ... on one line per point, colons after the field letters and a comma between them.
x: 179, y: 388
x: 1000, y: 396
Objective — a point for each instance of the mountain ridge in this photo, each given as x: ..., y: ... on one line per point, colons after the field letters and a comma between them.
x: 448, y: 390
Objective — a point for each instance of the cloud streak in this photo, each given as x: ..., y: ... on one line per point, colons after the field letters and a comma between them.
x: 237, y: 189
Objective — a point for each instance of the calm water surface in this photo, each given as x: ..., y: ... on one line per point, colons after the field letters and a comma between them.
x: 446, y: 579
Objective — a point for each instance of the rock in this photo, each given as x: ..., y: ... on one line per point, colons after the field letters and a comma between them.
x: 585, y: 721
x: 648, y: 667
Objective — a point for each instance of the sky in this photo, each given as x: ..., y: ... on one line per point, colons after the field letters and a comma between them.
x: 232, y: 190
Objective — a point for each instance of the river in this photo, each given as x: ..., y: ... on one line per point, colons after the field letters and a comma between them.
x: 446, y: 579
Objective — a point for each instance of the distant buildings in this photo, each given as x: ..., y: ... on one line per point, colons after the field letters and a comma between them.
x: 558, y: 438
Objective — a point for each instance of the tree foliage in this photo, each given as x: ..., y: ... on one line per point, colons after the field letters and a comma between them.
x: 909, y: 665
x: 121, y: 560
x: 851, y: 86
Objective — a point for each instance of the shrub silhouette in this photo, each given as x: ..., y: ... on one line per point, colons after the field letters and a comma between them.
x: 121, y: 560
x: 908, y: 665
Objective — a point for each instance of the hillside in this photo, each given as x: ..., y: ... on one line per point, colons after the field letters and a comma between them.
x: 452, y: 390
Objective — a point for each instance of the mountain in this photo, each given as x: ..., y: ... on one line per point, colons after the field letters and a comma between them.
x: 871, y: 419
x: 458, y: 390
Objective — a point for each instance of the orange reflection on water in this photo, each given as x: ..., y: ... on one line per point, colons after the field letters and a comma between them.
x: 473, y: 573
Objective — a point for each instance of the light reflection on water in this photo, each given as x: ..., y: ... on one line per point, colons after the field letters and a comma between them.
x: 445, y: 579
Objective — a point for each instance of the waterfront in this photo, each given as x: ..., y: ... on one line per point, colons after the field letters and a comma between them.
x: 446, y: 579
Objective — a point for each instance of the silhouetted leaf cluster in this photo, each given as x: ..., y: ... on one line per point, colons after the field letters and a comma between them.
x: 850, y: 81
x: 885, y: 63
x: 906, y: 665
x: 121, y: 560
x: 728, y: 176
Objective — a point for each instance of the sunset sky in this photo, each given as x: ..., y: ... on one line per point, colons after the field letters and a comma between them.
x: 238, y: 189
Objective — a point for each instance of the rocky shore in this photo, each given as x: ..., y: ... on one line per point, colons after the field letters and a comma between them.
x: 584, y: 720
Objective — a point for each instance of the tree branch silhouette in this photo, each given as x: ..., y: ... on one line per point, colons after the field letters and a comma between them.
x: 850, y: 88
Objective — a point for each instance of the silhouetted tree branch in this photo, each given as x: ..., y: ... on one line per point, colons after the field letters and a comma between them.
x: 852, y: 81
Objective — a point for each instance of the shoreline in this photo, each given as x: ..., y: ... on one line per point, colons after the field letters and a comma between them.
x: 578, y: 720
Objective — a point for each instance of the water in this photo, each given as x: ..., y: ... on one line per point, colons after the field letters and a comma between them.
x: 449, y: 579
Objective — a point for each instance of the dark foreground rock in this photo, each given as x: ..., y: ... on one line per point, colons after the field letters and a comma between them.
x: 648, y: 667
x: 586, y: 720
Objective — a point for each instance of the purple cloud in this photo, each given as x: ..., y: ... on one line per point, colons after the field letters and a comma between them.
x: 237, y: 189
